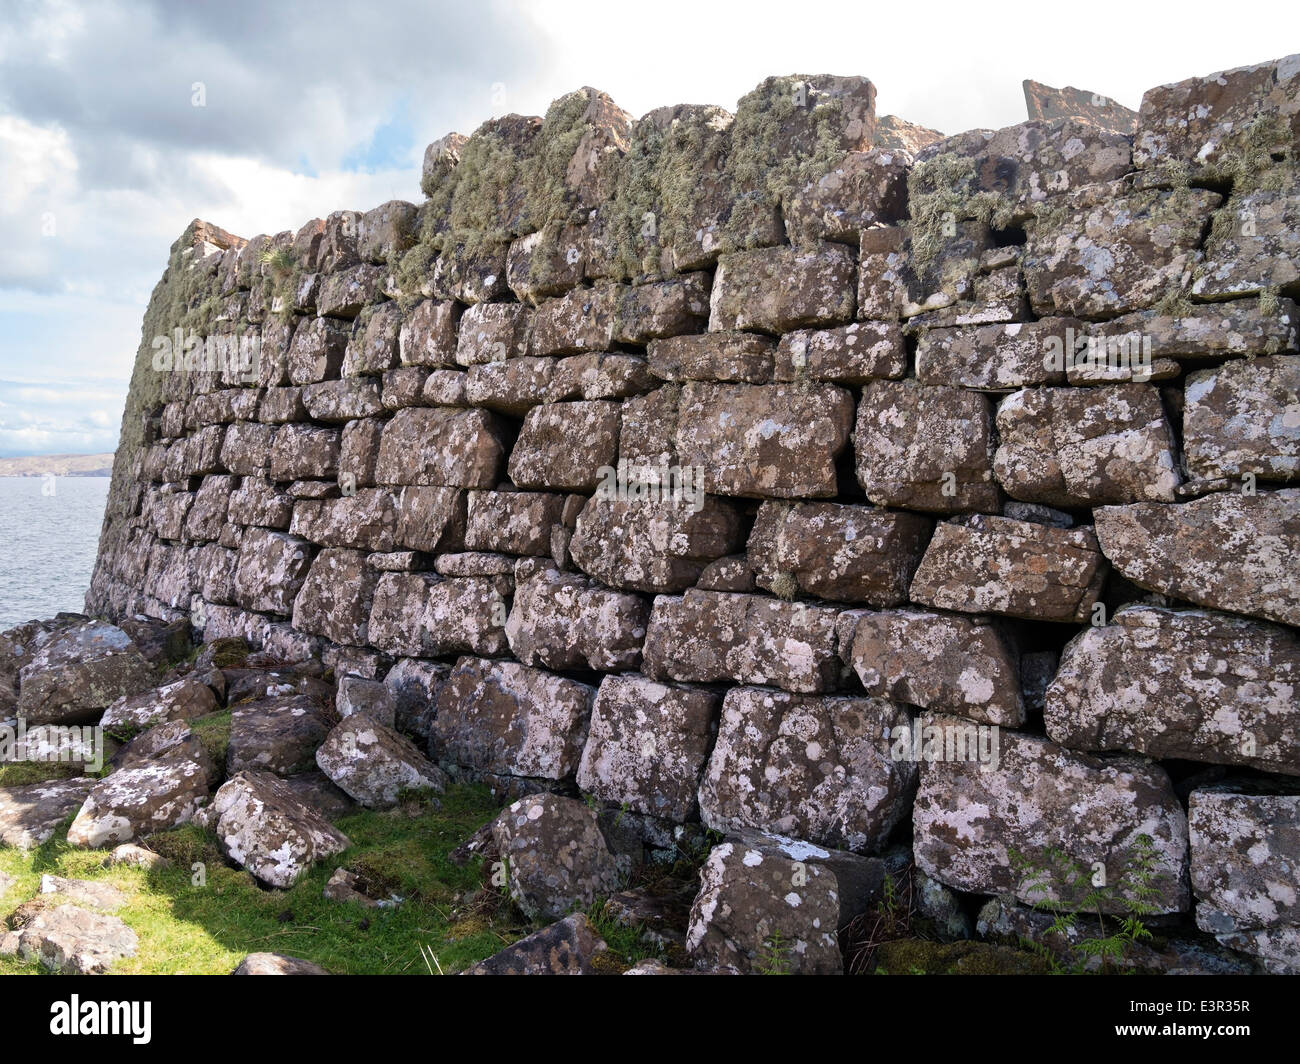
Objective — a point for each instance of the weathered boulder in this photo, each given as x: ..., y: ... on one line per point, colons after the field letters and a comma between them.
x: 276, y: 734
x: 984, y: 564
x: 70, y: 940
x: 182, y: 699
x: 567, y: 947
x: 1256, y: 252
x: 925, y: 448
x: 1194, y: 685
x: 813, y: 767
x: 565, y: 621
x: 1054, y: 809
x: 644, y: 545
x: 375, y: 765
x: 30, y: 814
x: 647, y: 745
x: 1227, y: 551
x: 556, y: 856
x: 78, y: 672
x: 773, y: 441
x: 496, y: 716
x: 955, y: 664
x: 711, y: 636
x: 139, y: 800
x: 263, y: 826
x: 370, y: 698
x: 843, y: 553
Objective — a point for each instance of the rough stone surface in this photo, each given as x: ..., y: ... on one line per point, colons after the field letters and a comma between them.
x: 79, y: 672
x: 813, y: 767
x: 1194, y: 685
x: 1227, y: 551
x: 375, y: 765
x: 30, y: 814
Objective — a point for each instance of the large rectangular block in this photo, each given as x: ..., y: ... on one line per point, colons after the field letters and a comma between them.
x: 336, y: 597
x: 564, y: 446
x: 426, y: 616
x: 712, y: 636
x: 985, y: 564
x: 271, y: 569
x: 778, y: 289
x: 501, y: 717
x: 441, y: 447
x: 776, y: 441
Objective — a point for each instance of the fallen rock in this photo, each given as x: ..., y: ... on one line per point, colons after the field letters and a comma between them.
x: 84, y: 892
x: 145, y: 798
x: 556, y: 856
x: 70, y: 940
x: 183, y: 699
x: 375, y: 765
x: 134, y: 856
x: 78, y: 672
x: 30, y: 814
x: 277, y: 964
x: 277, y: 734
x: 568, y: 947
x: 263, y: 826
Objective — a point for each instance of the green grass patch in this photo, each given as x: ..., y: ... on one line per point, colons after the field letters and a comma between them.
x: 205, y: 919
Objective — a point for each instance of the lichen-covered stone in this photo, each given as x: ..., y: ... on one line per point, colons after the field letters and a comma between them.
x: 317, y: 350
x: 424, y: 615
x: 773, y: 441
x: 491, y: 332
x: 643, y: 545
x: 304, y: 451
x: 1245, y: 860
x: 851, y: 354
x: 182, y: 699
x: 513, y: 387
x: 375, y: 765
x: 809, y: 766
x: 71, y: 940
x: 441, y: 447
x: 497, y: 716
x: 78, y: 672
x: 955, y: 664
x: 1244, y: 417
x: 778, y: 289
x: 716, y: 356
x: 514, y: 522
x: 567, y: 947
x: 564, y: 446
x: 139, y: 800
x: 1037, y: 797
x: 271, y: 569
x: 30, y: 814
x: 1227, y: 551
x: 648, y: 744
x: 263, y: 826
x: 565, y: 621
x: 336, y: 597
x: 1074, y: 447
x: 843, y: 553
x: 986, y: 564
x: 712, y: 636
x: 925, y: 448
x: 277, y: 732
x: 865, y: 188
x: 428, y: 336
x: 556, y: 856
x: 996, y: 357
x: 1114, y: 251
x: 1192, y: 685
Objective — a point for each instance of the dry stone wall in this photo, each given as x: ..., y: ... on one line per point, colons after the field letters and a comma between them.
x: 791, y: 471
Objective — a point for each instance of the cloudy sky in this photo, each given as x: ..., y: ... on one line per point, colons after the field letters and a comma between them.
x: 311, y: 107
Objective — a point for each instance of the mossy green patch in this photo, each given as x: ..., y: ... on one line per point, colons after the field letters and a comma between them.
x: 203, y: 916
x: 916, y: 956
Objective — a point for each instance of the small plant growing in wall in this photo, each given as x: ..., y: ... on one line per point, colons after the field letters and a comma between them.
x: 1060, y: 876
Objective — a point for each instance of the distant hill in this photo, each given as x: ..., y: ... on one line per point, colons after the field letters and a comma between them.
x: 61, y: 465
